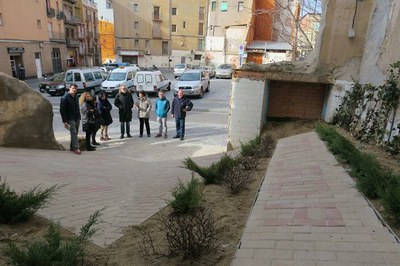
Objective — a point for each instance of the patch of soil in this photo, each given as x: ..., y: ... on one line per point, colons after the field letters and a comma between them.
x: 231, y: 213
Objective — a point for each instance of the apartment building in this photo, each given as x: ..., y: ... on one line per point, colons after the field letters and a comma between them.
x: 89, y: 48
x: 160, y: 32
x: 106, y: 30
x: 32, y: 39
x: 228, y: 24
x: 73, y: 19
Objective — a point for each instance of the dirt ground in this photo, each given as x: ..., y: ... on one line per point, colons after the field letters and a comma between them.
x: 231, y: 213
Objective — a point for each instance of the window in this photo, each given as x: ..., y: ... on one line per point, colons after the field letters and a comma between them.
x: 140, y: 78
x: 201, y: 13
x: 136, y: 43
x: 224, y: 6
x: 200, y: 45
x: 198, y: 57
x: 135, y: 7
x: 173, y: 28
x: 97, y: 75
x: 1, y: 19
x: 88, y: 76
x: 39, y: 23
x: 136, y: 25
x: 240, y: 6
x: 213, y: 5
x: 184, y: 25
x: 68, y: 78
x: 201, y: 26
x: 109, y: 4
x: 77, y: 77
x: 147, y: 44
x: 149, y: 78
x: 164, y: 48
x: 174, y: 11
x: 156, y: 13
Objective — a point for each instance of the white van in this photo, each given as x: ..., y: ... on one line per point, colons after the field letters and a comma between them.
x: 87, y: 79
x: 151, y: 81
x: 123, y: 75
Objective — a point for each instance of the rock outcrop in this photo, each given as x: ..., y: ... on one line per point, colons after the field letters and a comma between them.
x: 26, y: 118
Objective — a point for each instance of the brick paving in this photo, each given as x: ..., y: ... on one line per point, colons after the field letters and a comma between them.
x: 131, y: 178
x: 308, y: 212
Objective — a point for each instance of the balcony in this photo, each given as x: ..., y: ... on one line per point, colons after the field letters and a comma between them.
x: 73, y: 43
x: 57, y: 37
x: 72, y: 1
x: 89, y: 4
x: 60, y: 15
x: 72, y: 20
x: 51, y: 13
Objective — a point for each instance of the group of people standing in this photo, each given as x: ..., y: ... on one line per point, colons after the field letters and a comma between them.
x: 95, y: 114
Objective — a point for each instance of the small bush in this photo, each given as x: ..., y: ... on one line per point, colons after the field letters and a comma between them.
x: 391, y: 202
x: 266, y: 146
x: 236, y: 180
x: 251, y: 148
x: 54, y: 250
x: 17, y: 208
x: 248, y: 163
x: 187, y: 198
x: 191, y: 235
x: 213, y: 173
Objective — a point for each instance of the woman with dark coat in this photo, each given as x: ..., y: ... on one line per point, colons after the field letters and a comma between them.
x: 88, y: 117
x: 124, y: 102
x: 104, y: 107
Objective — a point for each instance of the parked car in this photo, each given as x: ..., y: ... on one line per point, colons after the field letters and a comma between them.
x: 54, y: 86
x: 209, y: 70
x: 180, y: 68
x: 193, y: 83
x: 225, y: 71
x: 119, y: 76
x: 151, y: 81
x: 87, y: 79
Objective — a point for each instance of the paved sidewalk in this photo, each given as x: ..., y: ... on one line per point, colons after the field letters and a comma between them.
x: 131, y: 178
x: 308, y: 212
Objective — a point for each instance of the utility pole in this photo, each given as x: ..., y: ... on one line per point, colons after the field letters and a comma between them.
x: 169, y: 33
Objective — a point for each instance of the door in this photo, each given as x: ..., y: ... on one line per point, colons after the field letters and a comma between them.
x: 38, y: 65
x: 56, y: 60
x: 13, y: 67
x: 257, y: 58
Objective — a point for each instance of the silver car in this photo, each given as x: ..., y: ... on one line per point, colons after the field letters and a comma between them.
x: 225, y: 71
x: 193, y: 83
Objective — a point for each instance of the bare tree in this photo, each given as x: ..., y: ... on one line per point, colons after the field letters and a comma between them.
x: 295, y: 22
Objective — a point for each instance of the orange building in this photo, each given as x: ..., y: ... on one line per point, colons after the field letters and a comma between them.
x: 107, y: 41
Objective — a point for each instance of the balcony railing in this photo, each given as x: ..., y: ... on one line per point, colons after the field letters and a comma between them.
x: 73, y: 43
x: 57, y: 37
x: 72, y: 20
x: 89, y: 4
x: 60, y: 15
x: 51, y: 12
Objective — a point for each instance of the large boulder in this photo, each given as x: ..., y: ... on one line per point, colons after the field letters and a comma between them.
x: 26, y: 118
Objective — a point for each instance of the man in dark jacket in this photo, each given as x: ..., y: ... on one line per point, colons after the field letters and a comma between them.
x: 71, y: 116
x: 124, y: 102
x: 180, y: 105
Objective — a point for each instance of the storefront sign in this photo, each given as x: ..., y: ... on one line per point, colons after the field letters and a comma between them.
x: 15, y: 50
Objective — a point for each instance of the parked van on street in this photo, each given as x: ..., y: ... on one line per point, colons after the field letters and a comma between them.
x: 151, y: 81
x: 87, y: 79
x: 124, y: 75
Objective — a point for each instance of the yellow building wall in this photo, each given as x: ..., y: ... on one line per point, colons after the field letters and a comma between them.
x: 107, y: 40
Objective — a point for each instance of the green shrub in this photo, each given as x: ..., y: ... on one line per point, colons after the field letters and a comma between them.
x: 53, y: 250
x: 17, y: 208
x: 391, y: 201
x: 187, y: 198
x: 213, y: 173
x: 250, y: 148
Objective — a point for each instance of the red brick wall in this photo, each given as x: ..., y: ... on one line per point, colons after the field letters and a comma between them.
x: 295, y: 100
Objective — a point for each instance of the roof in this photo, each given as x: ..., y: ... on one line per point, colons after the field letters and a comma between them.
x: 264, y: 45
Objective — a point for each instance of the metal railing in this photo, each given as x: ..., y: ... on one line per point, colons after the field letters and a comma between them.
x: 51, y: 13
x: 73, y: 43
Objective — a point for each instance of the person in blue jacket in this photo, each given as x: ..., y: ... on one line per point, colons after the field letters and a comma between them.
x: 180, y: 105
x: 162, y: 109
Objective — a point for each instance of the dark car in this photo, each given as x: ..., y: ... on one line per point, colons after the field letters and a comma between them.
x: 53, y: 86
